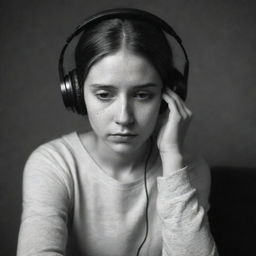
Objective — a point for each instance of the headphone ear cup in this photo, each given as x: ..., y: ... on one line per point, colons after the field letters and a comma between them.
x: 67, y: 92
x: 163, y: 107
x: 79, y: 103
x: 177, y: 84
x: 71, y: 93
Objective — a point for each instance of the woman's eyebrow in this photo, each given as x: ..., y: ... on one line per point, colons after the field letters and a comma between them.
x: 102, y: 86
x: 142, y: 86
x: 107, y: 86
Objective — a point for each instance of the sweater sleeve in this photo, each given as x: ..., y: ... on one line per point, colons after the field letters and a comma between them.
x: 182, y: 206
x: 46, y: 202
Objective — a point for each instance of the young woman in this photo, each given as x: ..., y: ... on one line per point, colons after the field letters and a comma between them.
x: 85, y: 194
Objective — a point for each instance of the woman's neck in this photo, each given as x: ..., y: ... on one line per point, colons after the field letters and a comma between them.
x: 123, y: 167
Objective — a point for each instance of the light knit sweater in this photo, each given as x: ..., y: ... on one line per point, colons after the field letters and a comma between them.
x: 72, y: 207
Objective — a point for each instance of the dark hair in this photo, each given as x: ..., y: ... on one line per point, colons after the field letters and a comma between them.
x: 109, y: 36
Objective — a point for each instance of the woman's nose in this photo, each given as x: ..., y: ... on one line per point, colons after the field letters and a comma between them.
x: 124, y: 112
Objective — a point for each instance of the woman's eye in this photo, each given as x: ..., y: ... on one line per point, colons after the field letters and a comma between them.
x: 143, y: 95
x: 104, y: 95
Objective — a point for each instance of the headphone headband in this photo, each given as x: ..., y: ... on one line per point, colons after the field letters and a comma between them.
x: 124, y: 13
x: 129, y: 13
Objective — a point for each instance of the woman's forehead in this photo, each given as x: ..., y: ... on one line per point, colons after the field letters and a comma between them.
x: 123, y: 67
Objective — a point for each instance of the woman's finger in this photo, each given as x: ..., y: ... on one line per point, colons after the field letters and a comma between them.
x: 175, y: 104
x: 171, y: 104
x: 182, y: 108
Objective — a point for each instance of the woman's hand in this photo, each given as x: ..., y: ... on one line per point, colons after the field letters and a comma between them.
x: 173, y: 125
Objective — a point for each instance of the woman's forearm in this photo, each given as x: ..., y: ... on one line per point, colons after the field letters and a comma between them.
x: 185, y: 228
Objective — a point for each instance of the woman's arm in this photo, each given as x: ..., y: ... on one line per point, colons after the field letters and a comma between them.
x: 184, y: 188
x: 46, y: 202
x: 182, y: 206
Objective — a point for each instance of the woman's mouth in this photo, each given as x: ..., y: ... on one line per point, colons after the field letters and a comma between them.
x: 122, y: 137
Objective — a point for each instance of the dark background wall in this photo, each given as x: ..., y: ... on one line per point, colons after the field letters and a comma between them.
x: 218, y: 35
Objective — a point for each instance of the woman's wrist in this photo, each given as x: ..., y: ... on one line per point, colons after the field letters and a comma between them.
x: 171, y: 162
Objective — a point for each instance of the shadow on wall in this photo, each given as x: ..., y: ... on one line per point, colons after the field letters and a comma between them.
x: 232, y: 212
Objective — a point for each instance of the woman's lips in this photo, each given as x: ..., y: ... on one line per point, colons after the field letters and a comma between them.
x: 122, y: 137
x: 124, y: 134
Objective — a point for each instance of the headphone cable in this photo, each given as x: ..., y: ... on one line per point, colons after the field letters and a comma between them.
x: 147, y: 196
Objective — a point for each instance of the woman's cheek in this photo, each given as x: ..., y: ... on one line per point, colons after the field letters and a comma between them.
x: 97, y: 107
x: 150, y: 112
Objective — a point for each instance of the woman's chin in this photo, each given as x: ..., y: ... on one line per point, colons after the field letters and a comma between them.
x: 123, y: 148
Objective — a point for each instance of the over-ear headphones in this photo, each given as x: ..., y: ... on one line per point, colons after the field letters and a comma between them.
x: 71, y: 91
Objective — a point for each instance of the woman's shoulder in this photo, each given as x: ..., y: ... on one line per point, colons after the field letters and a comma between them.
x: 51, y: 163
x: 64, y: 144
x: 64, y: 151
x: 57, y: 152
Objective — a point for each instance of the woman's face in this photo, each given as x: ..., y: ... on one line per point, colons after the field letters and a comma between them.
x: 123, y: 96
